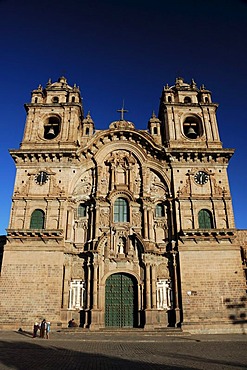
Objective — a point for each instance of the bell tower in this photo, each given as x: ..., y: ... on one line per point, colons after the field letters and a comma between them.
x: 197, y: 160
x: 188, y: 116
x: 54, y: 117
x: 205, y: 233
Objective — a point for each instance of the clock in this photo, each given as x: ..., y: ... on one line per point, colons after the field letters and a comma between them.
x: 201, y: 177
x: 41, y: 178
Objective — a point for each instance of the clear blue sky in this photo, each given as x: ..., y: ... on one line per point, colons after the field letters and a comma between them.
x: 129, y: 50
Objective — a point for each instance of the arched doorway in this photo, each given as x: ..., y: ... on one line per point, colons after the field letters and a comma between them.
x: 121, y: 301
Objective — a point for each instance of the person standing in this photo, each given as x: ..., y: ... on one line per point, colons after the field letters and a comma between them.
x: 35, y: 329
x: 48, y: 329
x: 42, y: 328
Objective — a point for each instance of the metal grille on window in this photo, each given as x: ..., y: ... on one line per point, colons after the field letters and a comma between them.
x: 164, y: 295
x: 76, y: 294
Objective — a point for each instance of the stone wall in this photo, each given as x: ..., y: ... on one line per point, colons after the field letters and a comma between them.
x: 31, y: 288
x: 213, y: 289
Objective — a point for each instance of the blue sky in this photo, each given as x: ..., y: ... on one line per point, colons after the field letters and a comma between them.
x: 129, y: 50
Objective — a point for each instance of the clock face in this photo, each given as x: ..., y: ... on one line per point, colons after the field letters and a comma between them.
x: 201, y: 177
x: 41, y: 178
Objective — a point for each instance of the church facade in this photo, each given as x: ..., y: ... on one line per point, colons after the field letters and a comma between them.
x: 122, y: 228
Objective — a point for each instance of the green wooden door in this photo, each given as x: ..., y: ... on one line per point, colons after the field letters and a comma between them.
x: 120, y: 301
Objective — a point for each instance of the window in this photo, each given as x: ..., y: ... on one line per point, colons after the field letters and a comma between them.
x: 205, y: 219
x: 192, y: 127
x: 82, y: 210
x: 55, y: 99
x: 121, y: 210
x: 37, y: 219
x: 187, y: 100
x: 164, y: 295
x: 155, y: 132
x: 73, y: 99
x: 169, y: 99
x: 52, y: 127
x: 159, y: 210
x: 87, y: 131
x: 76, y: 294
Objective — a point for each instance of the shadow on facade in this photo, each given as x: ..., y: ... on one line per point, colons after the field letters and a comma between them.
x: 2, y: 243
x: 237, y: 311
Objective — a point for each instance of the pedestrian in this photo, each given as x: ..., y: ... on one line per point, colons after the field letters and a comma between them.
x: 35, y: 329
x: 48, y: 329
x: 42, y: 328
x: 72, y: 324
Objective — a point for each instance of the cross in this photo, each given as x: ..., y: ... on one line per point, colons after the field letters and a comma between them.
x: 122, y: 111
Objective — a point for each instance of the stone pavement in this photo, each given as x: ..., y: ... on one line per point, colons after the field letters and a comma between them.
x: 106, y: 350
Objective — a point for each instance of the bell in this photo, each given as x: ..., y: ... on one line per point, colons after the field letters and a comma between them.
x: 51, y: 132
x: 191, y: 133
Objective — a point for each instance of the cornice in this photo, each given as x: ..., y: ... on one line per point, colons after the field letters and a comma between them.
x: 198, y: 235
x: 34, y: 233
x: 141, y: 138
x: 208, y: 155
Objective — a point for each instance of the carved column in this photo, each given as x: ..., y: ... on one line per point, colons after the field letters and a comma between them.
x: 145, y: 217
x: 175, y: 287
x: 95, y: 282
x: 96, y: 221
x: 69, y: 224
x: 61, y: 214
x: 150, y: 224
x: 88, y: 284
x: 154, y: 274
x: 148, y: 297
x: 91, y: 221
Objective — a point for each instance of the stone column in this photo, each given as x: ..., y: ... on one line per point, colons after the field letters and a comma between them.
x: 96, y: 232
x: 154, y: 273
x: 175, y: 287
x: 61, y: 214
x: 88, y: 284
x: 91, y: 221
x: 145, y: 216
x: 150, y: 224
x: 66, y: 287
x: 69, y: 224
x: 95, y: 285
x: 148, y: 297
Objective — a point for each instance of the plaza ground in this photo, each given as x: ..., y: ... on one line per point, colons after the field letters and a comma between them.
x: 66, y: 350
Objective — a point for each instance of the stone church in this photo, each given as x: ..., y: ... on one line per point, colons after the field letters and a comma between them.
x: 123, y: 228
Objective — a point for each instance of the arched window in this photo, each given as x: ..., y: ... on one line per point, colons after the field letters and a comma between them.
x: 55, y: 99
x: 192, y: 127
x: 36, y: 100
x: 37, y: 219
x: 205, y: 219
x: 52, y: 127
x: 159, y: 210
x: 73, y: 99
x: 82, y: 210
x: 169, y: 99
x: 155, y: 132
x: 87, y: 131
x: 187, y: 100
x: 121, y: 210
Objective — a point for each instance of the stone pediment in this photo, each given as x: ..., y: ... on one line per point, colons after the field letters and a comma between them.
x: 122, y: 124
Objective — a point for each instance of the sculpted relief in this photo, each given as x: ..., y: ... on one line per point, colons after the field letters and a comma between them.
x: 83, y: 188
x: 120, y: 170
x: 157, y: 186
